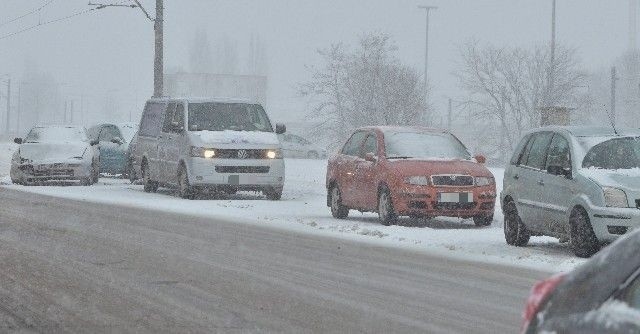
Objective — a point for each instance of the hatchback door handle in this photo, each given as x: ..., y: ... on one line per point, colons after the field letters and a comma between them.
x: 516, y: 177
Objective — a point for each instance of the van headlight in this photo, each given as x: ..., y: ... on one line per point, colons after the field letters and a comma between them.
x: 274, y: 154
x: 615, y: 198
x: 417, y: 180
x: 484, y: 181
x: 201, y: 152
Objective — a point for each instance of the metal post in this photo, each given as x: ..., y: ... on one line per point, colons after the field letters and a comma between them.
x: 8, y: 125
x: 613, y: 95
x: 426, y: 54
x: 19, y: 111
x: 552, y: 56
x: 158, y: 66
x: 449, y: 115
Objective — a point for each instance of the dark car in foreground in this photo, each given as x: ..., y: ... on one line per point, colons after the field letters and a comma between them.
x: 601, y: 296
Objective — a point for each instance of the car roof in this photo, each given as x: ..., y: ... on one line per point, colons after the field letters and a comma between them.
x: 398, y: 128
x: 591, y: 284
x: 204, y: 100
x: 590, y: 131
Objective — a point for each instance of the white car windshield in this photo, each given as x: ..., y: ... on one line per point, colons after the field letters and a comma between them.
x: 55, y: 134
x: 420, y: 145
x: 228, y: 116
x: 615, y: 153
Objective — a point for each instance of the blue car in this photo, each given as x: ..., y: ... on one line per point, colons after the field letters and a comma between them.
x: 113, y: 143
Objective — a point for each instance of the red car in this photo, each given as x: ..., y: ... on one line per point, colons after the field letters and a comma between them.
x: 409, y: 171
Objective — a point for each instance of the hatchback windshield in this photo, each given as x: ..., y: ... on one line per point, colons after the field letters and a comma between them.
x: 228, y: 116
x: 37, y: 135
x: 407, y: 145
x: 618, y: 153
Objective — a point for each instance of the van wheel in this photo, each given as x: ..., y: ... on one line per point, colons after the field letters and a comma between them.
x: 95, y: 173
x: 273, y: 194
x: 386, y: 214
x: 515, y: 233
x: 482, y: 221
x: 149, y: 186
x: 583, y: 241
x: 184, y: 188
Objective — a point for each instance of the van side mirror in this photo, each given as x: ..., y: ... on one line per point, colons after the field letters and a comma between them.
x: 559, y: 171
x: 280, y: 128
x: 18, y: 141
x: 370, y: 157
x: 480, y: 159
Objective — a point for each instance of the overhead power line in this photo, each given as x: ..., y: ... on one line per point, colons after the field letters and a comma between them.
x: 27, y: 14
x: 48, y: 22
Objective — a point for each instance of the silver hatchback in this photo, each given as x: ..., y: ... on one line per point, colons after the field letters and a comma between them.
x: 579, y: 184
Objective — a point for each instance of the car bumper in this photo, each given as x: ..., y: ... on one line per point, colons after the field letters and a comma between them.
x: 423, y: 201
x: 247, y: 174
x: 33, y: 173
x: 610, y: 223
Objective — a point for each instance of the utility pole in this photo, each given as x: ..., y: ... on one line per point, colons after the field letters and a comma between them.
x: 552, y: 56
x: 427, y: 10
x: 8, y: 124
x: 158, y: 64
x: 614, y: 78
x: 633, y: 25
x: 449, y: 115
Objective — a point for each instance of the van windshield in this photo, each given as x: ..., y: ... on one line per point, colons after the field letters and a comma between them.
x: 213, y: 116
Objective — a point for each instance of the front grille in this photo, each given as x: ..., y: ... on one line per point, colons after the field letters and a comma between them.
x: 452, y: 180
x: 243, y: 169
x: 241, y: 154
x: 453, y: 206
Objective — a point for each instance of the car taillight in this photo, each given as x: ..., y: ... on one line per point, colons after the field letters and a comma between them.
x: 539, y: 294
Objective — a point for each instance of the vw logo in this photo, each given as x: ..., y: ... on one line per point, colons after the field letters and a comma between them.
x: 242, y: 154
x: 453, y: 177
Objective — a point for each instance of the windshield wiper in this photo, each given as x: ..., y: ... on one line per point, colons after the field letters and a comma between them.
x: 399, y: 157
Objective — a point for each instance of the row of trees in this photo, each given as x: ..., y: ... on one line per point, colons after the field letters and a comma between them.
x: 502, y: 91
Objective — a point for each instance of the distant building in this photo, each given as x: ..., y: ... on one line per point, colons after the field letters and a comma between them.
x: 217, y: 85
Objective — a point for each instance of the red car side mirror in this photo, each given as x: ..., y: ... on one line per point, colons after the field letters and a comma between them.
x: 370, y: 157
x: 480, y: 159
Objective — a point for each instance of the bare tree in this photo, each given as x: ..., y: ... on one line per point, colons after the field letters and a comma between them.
x: 508, y: 86
x: 364, y: 86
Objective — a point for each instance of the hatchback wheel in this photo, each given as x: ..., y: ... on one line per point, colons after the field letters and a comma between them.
x: 515, y: 233
x: 184, y: 188
x: 149, y: 185
x: 95, y: 173
x: 386, y: 213
x: 583, y: 241
x: 337, y: 209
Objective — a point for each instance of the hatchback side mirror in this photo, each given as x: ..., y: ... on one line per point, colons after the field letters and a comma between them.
x: 280, y: 128
x: 370, y: 157
x: 94, y: 142
x: 117, y: 141
x: 480, y: 159
x: 18, y: 141
x: 559, y: 171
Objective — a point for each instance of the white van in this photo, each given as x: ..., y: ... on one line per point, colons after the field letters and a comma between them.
x: 209, y: 144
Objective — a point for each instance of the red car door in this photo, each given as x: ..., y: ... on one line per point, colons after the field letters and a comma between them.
x: 346, y: 168
x: 365, y: 185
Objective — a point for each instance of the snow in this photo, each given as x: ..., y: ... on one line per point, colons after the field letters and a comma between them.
x: 232, y: 137
x: 303, y: 209
x: 613, y: 314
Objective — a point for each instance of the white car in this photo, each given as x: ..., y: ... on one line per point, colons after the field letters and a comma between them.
x: 297, y: 147
x: 55, y: 153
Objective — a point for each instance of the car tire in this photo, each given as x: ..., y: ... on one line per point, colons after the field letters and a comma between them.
x: 131, y: 173
x: 386, y: 214
x: 273, y: 194
x: 483, y: 221
x: 185, y: 190
x: 312, y: 155
x: 95, y: 173
x: 338, y: 210
x: 149, y: 185
x: 582, y: 239
x: 87, y: 181
x: 515, y: 232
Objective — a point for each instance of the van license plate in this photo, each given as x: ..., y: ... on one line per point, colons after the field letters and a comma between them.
x: 455, y: 197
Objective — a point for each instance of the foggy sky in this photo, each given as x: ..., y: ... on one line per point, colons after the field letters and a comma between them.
x: 111, y: 51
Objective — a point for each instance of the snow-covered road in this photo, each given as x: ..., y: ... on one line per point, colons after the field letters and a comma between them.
x: 303, y: 208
